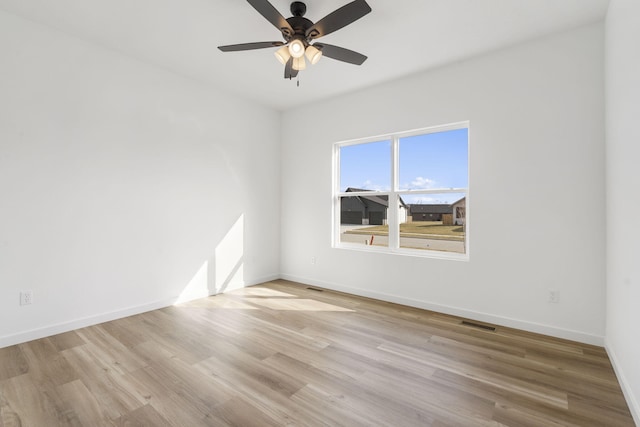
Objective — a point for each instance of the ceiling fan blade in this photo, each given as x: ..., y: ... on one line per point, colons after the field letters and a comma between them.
x: 272, y: 15
x: 338, y: 19
x: 341, y: 54
x: 289, y: 72
x: 249, y: 46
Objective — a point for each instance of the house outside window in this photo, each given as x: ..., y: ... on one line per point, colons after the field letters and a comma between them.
x: 405, y: 193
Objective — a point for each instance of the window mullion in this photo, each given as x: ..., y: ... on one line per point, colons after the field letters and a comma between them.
x: 394, y: 227
x: 335, y: 225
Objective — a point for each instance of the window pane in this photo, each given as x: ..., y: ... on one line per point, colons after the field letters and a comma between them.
x: 434, y: 160
x: 366, y: 166
x: 410, y: 195
x: 363, y: 220
x: 435, y: 222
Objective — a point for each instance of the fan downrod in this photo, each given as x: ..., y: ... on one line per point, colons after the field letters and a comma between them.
x: 298, y: 8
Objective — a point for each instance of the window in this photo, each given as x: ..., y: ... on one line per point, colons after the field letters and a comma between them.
x: 404, y: 193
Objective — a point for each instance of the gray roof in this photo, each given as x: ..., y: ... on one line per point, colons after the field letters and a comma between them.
x: 381, y: 200
x: 430, y: 209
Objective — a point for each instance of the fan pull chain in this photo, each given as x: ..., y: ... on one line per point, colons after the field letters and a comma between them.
x: 298, y: 80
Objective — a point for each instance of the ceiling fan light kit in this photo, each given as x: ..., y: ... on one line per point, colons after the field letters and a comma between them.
x: 299, y: 64
x: 296, y: 48
x: 313, y: 54
x: 283, y: 54
x: 299, y: 32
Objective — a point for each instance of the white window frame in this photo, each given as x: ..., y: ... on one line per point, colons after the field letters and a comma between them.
x: 395, y: 192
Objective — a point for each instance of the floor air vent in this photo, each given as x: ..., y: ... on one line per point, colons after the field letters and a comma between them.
x: 315, y: 289
x: 478, y: 325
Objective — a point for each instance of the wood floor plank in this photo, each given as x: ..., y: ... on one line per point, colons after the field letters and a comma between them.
x: 239, y: 412
x: 331, y: 410
x: 47, y: 367
x: 537, y: 392
x: 287, y: 354
x: 323, y: 394
x: 113, y: 354
x: 578, y: 381
x: 34, y: 404
x: 499, y: 395
x: 422, y: 396
x: 79, y: 399
x: 117, y: 392
x: 518, y: 417
x: 66, y: 340
x: 272, y: 400
x: 8, y: 417
x: 144, y: 416
x: 173, y: 401
x: 13, y: 363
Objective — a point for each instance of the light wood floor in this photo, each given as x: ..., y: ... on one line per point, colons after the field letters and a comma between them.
x: 283, y: 354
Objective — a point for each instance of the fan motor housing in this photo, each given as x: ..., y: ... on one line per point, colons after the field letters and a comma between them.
x: 299, y: 24
x: 298, y: 8
x: 297, y: 21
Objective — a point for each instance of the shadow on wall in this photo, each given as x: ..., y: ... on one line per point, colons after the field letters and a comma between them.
x: 223, y: 271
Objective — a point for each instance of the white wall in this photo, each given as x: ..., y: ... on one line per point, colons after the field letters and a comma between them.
x: 623, y: 203
x: 123, y: 186
x: 536, y: 206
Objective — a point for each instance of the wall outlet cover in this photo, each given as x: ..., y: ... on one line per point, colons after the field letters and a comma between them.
x: 26, y: 297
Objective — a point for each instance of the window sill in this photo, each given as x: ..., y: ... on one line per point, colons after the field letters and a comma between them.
x: 418, y: 253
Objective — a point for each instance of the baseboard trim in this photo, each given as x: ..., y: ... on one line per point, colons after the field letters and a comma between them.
x: 455, y: 311
x: 59, y: 328
x: 632, y: 402
x: 62, y: 327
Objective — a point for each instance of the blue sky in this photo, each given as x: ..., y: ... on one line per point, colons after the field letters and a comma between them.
x: 430, y: 161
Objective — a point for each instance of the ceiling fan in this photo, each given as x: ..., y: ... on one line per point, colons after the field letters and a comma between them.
x: 299, y: 32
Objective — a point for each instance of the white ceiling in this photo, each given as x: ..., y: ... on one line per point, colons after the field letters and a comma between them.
x: 399, y: 37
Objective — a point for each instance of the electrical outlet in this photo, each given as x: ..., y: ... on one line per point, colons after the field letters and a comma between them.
x: 554, y: 296
x: 26, y: 297
x: 313, y: 260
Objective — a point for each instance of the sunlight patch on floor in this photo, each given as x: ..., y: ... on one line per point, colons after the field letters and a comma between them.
x: 262, y: 292
x: 288, y: 304
x: 229, y: 304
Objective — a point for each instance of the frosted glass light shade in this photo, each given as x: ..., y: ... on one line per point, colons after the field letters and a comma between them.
x: 283, y: 54
x: 296, y: 48
x: 313, y: 54
x: 299, y: 64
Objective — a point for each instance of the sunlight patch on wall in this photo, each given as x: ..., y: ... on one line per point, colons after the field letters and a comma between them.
x: 229, y: 271
x: 198, y: 286
x: 224, y: 271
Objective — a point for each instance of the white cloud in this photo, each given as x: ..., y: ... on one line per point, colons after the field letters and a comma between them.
x: 368, y: 185
x: 421, y: 183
